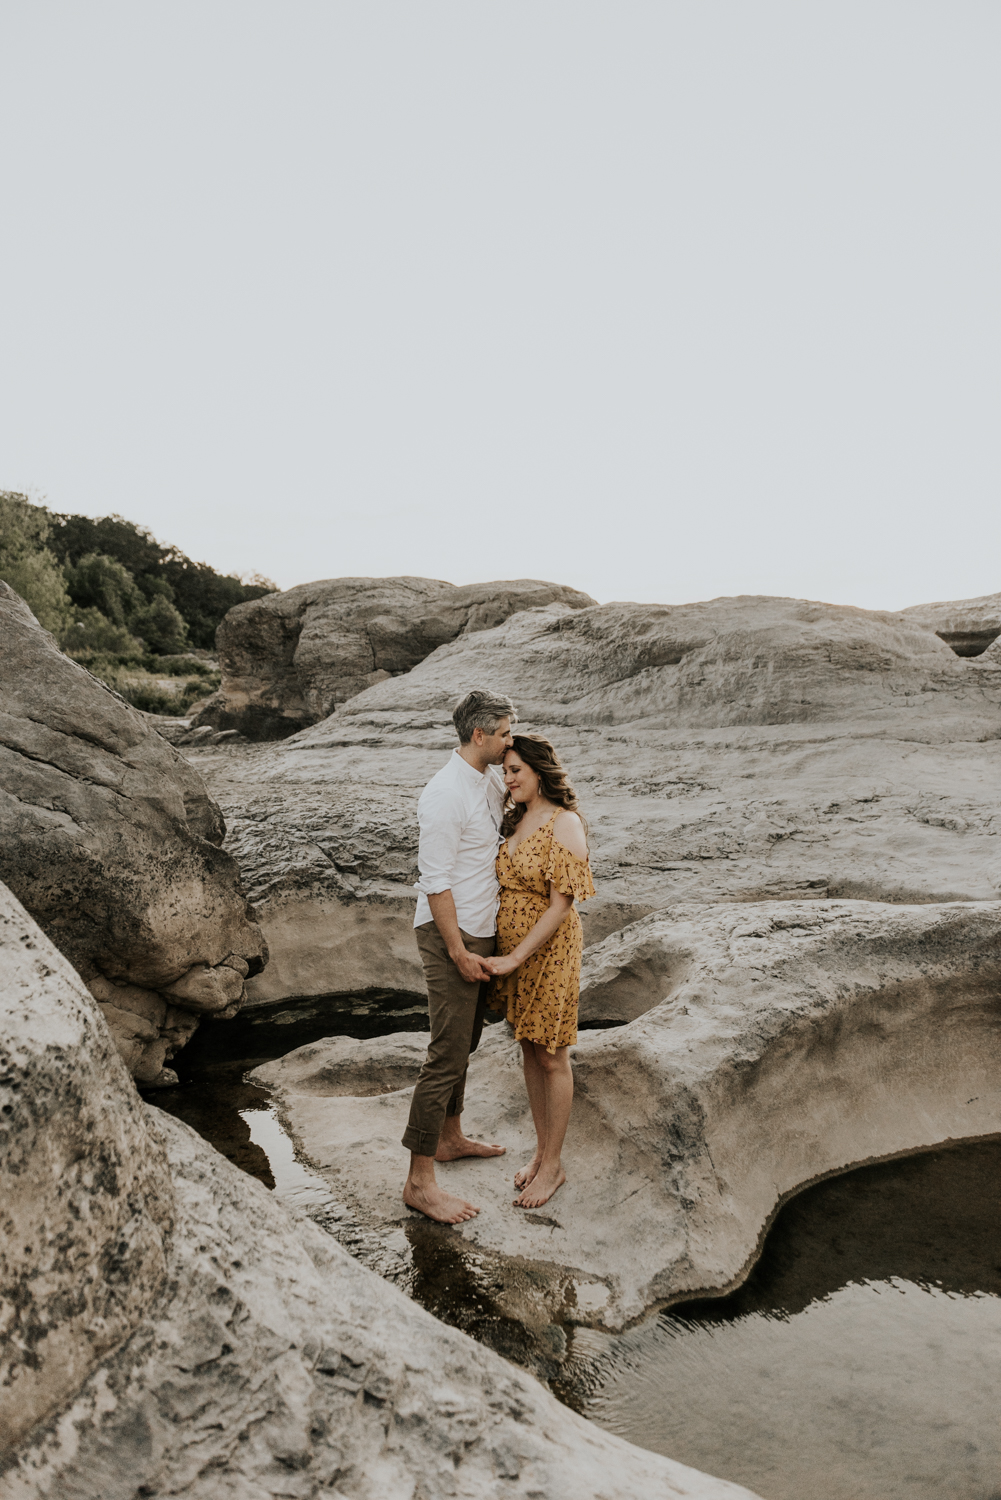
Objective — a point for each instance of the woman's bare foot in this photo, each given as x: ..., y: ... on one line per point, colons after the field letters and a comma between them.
x: 541, y: 1188
x: 460, y: 1146
x: 434, y: 1203
x: 527, y: 1174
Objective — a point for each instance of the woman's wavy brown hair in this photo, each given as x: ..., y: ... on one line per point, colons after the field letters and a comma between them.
x: 554, y: 783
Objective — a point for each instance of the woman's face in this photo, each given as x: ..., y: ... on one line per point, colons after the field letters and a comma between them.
x: 521, y: 781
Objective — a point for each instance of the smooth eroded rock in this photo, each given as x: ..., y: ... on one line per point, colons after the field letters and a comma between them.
x: 773, y: 1043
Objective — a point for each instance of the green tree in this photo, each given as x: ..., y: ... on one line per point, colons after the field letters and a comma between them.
x: 161, y: 626
x: 202, y: 595
x: 27, y: 564
x: 98, y: 581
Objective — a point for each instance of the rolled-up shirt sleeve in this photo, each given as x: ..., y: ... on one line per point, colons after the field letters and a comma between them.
x: 440, y: 821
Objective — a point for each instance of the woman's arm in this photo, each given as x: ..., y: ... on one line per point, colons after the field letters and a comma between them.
x: 543, y: 930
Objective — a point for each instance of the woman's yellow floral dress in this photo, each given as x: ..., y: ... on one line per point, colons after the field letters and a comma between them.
x: 541, y: 996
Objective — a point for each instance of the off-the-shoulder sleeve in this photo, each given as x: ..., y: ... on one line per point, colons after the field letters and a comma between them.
x: 570, y: 875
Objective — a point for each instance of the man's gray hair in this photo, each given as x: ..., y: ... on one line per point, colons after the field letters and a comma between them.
x: 479, y: 710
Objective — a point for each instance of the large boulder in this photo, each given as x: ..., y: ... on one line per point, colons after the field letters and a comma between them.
x: 967, y: 625
x: 111, y: 841
x: 169, y: 1329
x: 289, y: 659
x: 759, y: 1047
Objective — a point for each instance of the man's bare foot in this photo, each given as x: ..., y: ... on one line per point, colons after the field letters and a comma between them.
x: 434, y: 1203
x: 453, y: 1150
x: 541, y: 1188
x: 527, y: 1174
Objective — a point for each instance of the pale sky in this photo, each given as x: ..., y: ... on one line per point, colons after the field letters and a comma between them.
x: 662, y: 300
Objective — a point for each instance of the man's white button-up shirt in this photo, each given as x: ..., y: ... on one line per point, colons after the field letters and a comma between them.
x: 460, y: 816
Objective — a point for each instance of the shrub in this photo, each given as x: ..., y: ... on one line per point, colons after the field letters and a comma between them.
x: 179, y: 666
x: 146, y: 690
x: 160, y: 625
x: 92, y: 633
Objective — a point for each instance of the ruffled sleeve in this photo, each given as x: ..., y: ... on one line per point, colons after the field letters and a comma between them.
x: 570, y: 875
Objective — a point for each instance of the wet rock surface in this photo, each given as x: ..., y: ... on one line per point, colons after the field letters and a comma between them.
x: 290, y: 658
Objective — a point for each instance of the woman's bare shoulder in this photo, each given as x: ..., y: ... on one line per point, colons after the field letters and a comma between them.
x: 568, y: 830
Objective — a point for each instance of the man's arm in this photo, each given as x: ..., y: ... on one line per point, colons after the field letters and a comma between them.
x: 440, y: 833
x: 469, y: 965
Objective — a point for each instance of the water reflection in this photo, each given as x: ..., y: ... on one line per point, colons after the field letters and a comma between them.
x: 860, y: 1361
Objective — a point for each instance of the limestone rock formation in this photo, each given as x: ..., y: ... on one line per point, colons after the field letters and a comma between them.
x: 748, y: 660
x: 109, y: 838
x: 762, y: 1046
x: 170, y: 1330
x: 790, y: 750
x: 967, y: 625
x: 289, y: 659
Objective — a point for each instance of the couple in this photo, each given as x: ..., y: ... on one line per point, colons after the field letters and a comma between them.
x: 465, y: 811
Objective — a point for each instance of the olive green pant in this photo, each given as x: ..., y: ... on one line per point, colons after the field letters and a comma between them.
x: 456, y: 1009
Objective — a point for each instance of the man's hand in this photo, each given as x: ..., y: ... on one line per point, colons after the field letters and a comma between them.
x: 470, y: 965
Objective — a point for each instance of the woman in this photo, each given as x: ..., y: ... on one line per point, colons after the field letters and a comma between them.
x: 542, y: 866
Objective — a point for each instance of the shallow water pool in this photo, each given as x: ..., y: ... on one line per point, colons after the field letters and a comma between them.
x: 860, y: 1361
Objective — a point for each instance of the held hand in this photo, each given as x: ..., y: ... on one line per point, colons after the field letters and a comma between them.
x: 472, y: 968
x: 501, y: 966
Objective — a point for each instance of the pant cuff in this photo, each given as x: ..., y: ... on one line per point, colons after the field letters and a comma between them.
x: 421, y: 1142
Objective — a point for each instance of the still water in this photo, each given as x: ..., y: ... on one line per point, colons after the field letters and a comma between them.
x: 861, y: 1360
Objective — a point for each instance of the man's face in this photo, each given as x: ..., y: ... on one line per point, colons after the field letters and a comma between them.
x: 494, y: 746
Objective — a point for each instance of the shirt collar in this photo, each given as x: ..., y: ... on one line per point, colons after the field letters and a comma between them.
x: 465, y: 769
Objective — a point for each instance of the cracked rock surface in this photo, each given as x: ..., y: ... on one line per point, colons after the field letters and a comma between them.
x: 111, y: 841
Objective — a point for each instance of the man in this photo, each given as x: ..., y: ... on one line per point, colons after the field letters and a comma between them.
x: 456, y: 921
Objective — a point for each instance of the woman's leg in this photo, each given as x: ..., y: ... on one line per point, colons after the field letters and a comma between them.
x: 535, y: 1083
x: 557, y: 1078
